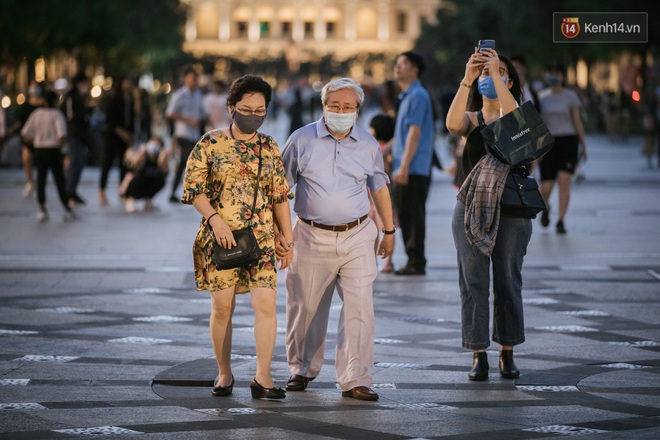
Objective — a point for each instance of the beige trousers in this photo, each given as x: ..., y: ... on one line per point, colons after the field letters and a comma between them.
x: 323, y: 261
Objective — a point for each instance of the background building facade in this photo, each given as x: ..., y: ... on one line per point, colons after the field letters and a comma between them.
x: 303, y: 31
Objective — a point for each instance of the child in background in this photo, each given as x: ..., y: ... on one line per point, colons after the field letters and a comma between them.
x: 382, y: 128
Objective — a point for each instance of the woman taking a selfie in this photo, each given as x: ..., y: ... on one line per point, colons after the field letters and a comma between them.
x: 220, y: 182
x: 489, y: 90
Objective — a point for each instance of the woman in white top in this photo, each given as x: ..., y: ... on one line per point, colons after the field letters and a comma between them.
x: 46, y: 129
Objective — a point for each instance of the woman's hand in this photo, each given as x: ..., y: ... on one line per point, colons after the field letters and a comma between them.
x: 491, y: 61
x: 222, y: 232
x: 283, y: 253
x: 473, y: 67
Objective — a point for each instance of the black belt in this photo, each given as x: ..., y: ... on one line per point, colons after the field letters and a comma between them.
x: 336, y: 228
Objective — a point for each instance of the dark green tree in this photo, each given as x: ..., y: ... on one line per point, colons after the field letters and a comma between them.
x: 122, y: 35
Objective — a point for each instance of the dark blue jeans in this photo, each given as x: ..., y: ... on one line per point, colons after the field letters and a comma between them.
x: 513, y: 237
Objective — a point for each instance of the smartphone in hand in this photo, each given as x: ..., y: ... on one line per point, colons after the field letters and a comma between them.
x: 485, y: 44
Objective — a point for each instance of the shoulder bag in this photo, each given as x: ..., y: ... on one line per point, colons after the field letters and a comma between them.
x: 519, y: 137
x: 521, y: 196
x: 247, y: 251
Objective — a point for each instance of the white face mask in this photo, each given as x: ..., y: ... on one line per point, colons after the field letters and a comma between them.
x: 340, y: 122
x: 153, y: 148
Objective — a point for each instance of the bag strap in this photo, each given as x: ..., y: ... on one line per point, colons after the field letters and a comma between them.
x: 480, y: 118
x: 256, y: 187
x: 256, y: 184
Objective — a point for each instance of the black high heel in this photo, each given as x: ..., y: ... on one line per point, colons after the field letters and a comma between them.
x: 224, y: 391
x: 480, y: 366
x: 508, y: 369
x: 259, y: 392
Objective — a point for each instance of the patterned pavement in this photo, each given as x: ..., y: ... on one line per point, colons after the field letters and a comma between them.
x: 103, y: 335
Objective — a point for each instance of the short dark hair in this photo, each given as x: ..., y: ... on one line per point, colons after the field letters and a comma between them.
x: 78, y: 78
x: 383, y: 126
x: 51, y: 98
x: 248, y: 84
x: 417, y: 60
x: 556, y: 67
x: 189, y: 70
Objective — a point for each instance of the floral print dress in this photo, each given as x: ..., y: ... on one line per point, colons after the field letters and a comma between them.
x: 225, y: 169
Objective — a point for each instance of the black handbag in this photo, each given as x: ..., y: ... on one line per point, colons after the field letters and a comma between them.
x: 247, y: 251
x: 521, y: 196
x: 519, y: 137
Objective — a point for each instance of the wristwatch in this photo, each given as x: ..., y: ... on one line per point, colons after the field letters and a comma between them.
x: 392, y: 231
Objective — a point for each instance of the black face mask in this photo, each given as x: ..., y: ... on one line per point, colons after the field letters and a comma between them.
x: 248, y: 124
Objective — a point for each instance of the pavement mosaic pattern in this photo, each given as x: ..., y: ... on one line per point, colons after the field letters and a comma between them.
x: 102, y: 334
x: 112, y: 364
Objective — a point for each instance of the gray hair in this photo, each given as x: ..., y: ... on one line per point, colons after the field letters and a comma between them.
x: 339, y: 84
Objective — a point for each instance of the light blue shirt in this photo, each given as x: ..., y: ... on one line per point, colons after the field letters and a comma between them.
x: 186, y: 102
x: 414, y: 109
x: 331, y: 176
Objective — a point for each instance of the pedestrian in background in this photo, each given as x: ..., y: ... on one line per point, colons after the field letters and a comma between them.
x: 219, y: 182
x: 335, y: 241
x: 143, y: 129
x: 489, y: 90
x: 36, y: 95
x: 560, y: 109
x: 46, y: 129
x: 77, y: 116
x: 186, y: 110
x: 119, y: 132
x: 528, y: 92
x: 381, y: 127
x: 215, y: 106
x: 412, y: 154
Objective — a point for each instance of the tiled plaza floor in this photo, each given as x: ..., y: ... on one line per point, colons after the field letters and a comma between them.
x: 102, y: 333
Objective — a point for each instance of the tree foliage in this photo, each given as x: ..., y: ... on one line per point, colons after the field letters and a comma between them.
x: 120, y: 34
x: 519, y: 28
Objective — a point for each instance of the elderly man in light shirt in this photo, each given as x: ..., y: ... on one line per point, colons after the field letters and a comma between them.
x: 332, y: 164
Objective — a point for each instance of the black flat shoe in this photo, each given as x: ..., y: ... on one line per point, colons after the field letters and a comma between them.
x: 508, y: 369
x: 479, y: 369
x: 259, y: 392
x: 224, y: 391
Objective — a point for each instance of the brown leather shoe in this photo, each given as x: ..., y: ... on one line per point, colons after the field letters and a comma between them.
x: 298, y: 383
x: 360, y: 393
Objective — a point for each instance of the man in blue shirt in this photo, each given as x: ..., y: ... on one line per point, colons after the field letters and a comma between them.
x: 412, y: 155
x: 332, y: 163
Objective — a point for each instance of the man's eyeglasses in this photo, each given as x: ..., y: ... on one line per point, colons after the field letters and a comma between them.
x: 244, y: 111
x: 335, y: 108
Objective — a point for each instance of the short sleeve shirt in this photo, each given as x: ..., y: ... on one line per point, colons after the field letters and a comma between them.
x: 415, y: 109
x: 556, y: 111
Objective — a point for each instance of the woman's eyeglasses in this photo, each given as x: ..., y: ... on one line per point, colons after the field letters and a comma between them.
x: 502, y: 70
x: 244, y: 111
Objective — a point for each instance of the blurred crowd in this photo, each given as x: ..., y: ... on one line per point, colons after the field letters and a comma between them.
x: 129, y: 128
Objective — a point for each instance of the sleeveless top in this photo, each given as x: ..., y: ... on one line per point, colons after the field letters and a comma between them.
x: 474, y: 150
